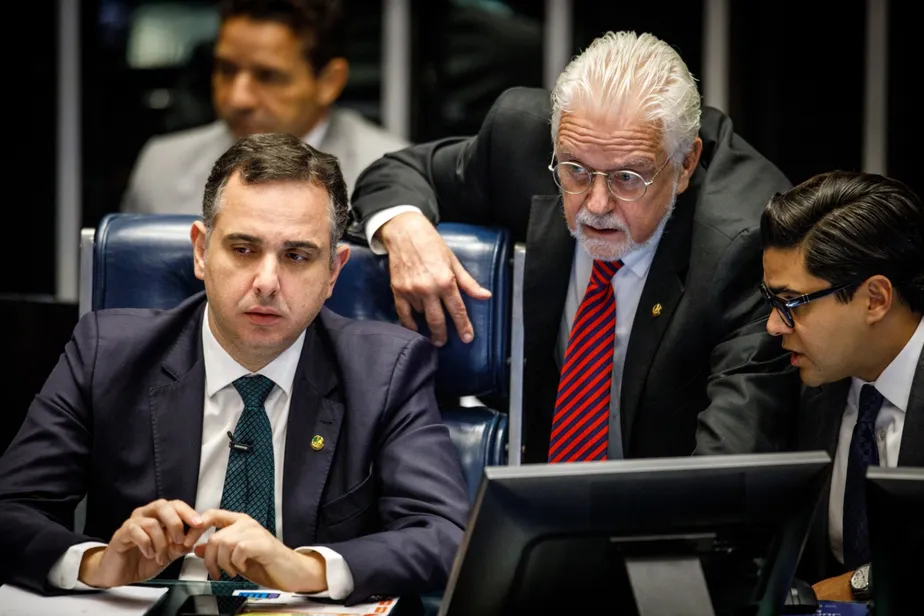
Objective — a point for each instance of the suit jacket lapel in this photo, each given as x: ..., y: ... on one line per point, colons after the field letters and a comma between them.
x: 663, y: 286
x: 315, y: 413
x: 820, y: 424
x: 176, y: 416
x: 911, y: 452
x: 549, y: 255
x: 821, y: 415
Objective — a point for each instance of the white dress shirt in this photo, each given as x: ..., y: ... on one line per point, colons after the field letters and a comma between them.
x: 627, y: 287
x: 222, y: 409
x: 378, y: 219
x: 895, y: 386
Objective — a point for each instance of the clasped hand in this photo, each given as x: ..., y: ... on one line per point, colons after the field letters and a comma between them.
x: 155, y: 535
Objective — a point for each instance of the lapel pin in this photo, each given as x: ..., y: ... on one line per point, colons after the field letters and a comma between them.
x: 656, y: 310
x: 317, y: 442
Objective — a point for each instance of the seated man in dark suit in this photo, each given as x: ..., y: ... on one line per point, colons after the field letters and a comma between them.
x: 248, y: 431
x: 844, y: 270
x: 643, y: 324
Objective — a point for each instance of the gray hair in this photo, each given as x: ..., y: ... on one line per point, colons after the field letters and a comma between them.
x: 277, y: 157
x: 625, y: 71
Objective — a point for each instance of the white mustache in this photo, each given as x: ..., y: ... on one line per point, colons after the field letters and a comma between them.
x: 601, y: 221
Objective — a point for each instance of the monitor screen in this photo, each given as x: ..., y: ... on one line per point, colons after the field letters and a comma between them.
x: 700, y: 535
x: 895, y: 498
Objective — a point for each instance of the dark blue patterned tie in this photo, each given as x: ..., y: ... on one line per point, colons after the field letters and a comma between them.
x: 864, y: 452
x: 249, y: 482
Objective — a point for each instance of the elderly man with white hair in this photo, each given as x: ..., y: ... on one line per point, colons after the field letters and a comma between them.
x: 645, y: 336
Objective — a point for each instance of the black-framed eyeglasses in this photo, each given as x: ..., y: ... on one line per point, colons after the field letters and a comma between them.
x: 785, y: 306
x: 574, y: 178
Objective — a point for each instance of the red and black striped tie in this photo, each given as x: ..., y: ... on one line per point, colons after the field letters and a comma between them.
x: 582, y: 408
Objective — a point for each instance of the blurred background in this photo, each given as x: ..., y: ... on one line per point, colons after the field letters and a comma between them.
x: 814, y: 86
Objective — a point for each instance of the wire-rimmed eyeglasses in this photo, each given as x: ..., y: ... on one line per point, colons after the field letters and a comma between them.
x: 785, y: 306
x: 574, y: 178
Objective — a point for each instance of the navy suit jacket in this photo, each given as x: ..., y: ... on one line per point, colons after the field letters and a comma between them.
x: 120, y: 419
x: 819, y: 426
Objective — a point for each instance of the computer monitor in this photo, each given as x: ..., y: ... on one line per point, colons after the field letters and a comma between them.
x: 695, y: 536
x: 895, y: 509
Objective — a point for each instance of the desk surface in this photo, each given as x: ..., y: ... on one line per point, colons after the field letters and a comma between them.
x: 179, y: 591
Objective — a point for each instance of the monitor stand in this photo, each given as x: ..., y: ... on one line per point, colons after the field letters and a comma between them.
x: 666, y: 573
x: 669, y: 586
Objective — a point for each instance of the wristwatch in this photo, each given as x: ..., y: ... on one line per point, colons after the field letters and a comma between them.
x: 861, y: 583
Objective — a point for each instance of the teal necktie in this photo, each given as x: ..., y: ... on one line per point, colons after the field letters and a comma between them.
x: 249, y: 482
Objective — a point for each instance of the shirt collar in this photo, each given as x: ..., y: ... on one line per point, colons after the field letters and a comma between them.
x: 895, y: 381
x: 316, y: 135
x: 221, y: 369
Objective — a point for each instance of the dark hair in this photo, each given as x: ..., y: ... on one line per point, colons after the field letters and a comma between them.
x: 277, y: 157
x: 318, y: 23
x: 851, y: 226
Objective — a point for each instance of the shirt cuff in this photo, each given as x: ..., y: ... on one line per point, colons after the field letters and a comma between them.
x: 66, y: 569
x: 378, y: 219
x: 339, y: 576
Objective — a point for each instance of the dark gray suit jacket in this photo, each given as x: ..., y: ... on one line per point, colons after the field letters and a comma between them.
x: 819, y: 427
x: 120, y: 419
x: 702, y: 375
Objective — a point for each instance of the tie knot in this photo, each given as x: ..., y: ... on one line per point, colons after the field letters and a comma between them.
x: 604, y: 271
x: 870, y: 403
x: 253, y: 389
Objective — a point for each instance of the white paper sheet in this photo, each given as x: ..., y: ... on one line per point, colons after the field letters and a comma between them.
x: 123, y: 601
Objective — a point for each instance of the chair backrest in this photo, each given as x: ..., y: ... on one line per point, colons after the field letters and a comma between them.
x: 142, y: 261
x: 363, y: 291
x: 145, y: 261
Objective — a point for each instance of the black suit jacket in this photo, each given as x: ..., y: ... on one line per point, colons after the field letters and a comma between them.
x: 820, y: 424
x: 120, y: 419
x: 704, y: 374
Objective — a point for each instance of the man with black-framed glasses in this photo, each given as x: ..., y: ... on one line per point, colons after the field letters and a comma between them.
x: 844, y: 274
x: 643, y: 324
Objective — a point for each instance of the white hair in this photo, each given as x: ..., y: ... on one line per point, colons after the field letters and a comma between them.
x: 630, y: 73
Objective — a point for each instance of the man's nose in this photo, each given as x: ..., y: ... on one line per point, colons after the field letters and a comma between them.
x: 266, y: 281
x: 599, y: 199
x: 776, y: 326
x: 241, y: 94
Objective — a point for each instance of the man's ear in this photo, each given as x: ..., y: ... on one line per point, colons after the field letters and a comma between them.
x: 880, y: 294
x: 199, y: 237
x: 689, y: 165
x: 332, y: 80
x: 341, y: 256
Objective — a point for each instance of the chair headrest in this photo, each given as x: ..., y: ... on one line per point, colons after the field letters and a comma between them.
x: 145, y: 261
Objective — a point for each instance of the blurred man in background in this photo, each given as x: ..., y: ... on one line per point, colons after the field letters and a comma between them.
x: 278, y: 67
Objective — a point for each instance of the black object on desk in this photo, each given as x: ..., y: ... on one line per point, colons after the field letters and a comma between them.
x: 180, y: 591
x: 696, y: 536
x: 211, y: 605
x: 801, y: 599
x: 895, y: 506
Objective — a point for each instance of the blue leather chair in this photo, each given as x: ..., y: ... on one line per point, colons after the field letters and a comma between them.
x: 146, y: 261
